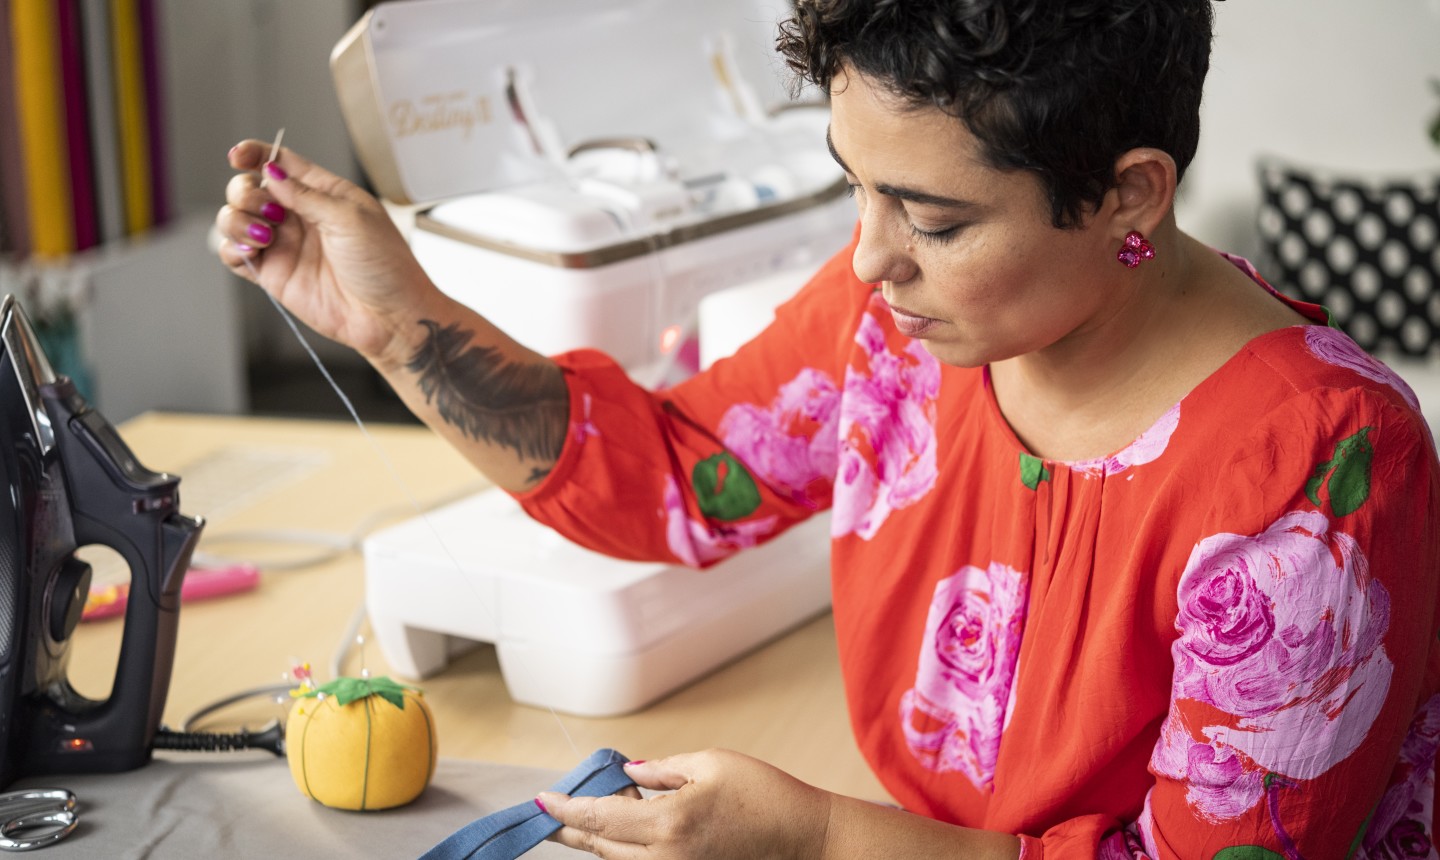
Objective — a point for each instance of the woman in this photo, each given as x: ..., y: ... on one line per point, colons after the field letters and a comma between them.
x: 1131, y: 555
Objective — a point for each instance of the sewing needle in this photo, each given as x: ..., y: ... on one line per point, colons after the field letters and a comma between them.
x: 274, y: 150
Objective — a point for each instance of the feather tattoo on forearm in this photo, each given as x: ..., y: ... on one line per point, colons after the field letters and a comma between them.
x: 524, y: 407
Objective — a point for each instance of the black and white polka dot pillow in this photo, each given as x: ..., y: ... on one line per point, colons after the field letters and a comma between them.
x: 1366, y: 248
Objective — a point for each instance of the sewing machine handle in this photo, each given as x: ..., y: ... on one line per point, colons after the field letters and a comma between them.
x: 118, y: 503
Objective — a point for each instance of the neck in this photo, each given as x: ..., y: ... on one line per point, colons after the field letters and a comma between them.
x: 1114, y: 355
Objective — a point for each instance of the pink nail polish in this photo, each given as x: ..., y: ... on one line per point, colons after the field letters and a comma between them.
x: 260, y: 233
x: 243, y: 248
x: 542, y: 806
x: 273, y: 212
x: 275, y: 172
x: 636, y: 763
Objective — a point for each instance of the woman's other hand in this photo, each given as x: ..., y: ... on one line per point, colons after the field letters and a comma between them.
x: 324, y: 248
x: 719, y: 804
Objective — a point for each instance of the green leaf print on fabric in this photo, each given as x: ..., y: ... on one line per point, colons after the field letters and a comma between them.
x: 1247, y: 852
x: 1364, y: 828
x: 1346, y: 475
x: 724, y: 488
x: 1032, y: 471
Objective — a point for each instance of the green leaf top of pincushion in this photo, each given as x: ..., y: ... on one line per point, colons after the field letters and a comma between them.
x: 347, y: 690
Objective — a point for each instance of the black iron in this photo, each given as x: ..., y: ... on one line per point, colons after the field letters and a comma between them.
x: 72, y: 482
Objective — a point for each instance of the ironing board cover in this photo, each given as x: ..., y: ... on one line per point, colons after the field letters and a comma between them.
x: 509, y: 833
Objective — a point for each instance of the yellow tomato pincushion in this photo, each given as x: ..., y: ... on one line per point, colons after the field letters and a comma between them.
x: 360, y: 743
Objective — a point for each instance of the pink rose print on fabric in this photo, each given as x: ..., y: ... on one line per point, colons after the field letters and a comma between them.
x: 1122, y: 845
x: 890, y: 413
x: 1282, y: 631
x: 695, y: 542
x: 1335, y: 347
x: 1144, y: 828
x: 1403, y: 823
x: 1218, y: 782
x: 1145, y: 449
x: 793, y: 443
x: 954, y: 715
x: 1408, y: 838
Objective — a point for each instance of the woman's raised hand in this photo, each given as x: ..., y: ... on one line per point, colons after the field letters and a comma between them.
x: 324, y: 248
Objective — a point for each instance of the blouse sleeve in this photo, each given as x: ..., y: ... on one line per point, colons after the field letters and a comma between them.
x: 725, y: 460
x: 1303, y: 718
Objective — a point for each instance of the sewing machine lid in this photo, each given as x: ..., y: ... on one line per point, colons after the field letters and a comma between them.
x: 451, y: 97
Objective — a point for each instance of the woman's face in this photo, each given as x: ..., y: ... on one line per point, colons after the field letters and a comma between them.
x: 966, y: 255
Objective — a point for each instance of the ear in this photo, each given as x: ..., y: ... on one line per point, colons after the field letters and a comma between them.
x: 1144, y: 192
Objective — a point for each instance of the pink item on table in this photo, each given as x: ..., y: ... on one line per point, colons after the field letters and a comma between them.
x: 200, y: 584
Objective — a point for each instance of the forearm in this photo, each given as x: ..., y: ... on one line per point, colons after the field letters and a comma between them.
x: 503, y: 406
x: 860, y: 829
x: 339, y: 263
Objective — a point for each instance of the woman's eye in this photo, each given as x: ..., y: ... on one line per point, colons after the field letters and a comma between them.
x: 935, y: 236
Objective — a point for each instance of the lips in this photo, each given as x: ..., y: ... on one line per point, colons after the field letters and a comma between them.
x: 911, y: 324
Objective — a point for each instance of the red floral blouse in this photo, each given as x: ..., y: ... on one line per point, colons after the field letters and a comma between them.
x: 1218, y: 642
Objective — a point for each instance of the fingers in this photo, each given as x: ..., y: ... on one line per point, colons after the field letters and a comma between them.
x: 620, y: 825
x: 244, y: 193
x: 260, y: 200
x: 666, y: 774
x: 253, y: 155
x: 235, y: 255
x: 612, y: 827
x: 248, y: 206
x: 238, y: 260
x: 248, y: 154
x: 250, y: 220
x: 292, y: 181
x: 247, y: 225
x: 310, y: 202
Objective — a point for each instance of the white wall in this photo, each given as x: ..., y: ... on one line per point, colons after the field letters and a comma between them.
x: 245, y: 69
x: 1339, y: 84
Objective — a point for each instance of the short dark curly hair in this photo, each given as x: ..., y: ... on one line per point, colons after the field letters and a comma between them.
x: 1060, y: 88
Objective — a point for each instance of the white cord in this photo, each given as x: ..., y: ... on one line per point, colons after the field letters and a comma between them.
x: 330, y: 545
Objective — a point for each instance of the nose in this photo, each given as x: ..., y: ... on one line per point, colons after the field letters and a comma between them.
x: 883, y: 252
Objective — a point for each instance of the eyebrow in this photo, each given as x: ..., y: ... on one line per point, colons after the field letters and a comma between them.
x: 900, y: 192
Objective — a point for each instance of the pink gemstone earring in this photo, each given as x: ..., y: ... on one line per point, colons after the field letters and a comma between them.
x: 1135, y: 249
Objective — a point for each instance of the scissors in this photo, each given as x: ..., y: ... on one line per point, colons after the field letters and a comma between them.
x: 29, y: 809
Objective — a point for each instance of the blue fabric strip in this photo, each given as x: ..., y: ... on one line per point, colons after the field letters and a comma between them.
x: 509, y: 833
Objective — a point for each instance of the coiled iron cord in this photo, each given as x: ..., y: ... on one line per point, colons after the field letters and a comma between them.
x: 271, y: 737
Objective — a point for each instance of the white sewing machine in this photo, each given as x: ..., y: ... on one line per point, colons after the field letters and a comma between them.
x: 593, y: 173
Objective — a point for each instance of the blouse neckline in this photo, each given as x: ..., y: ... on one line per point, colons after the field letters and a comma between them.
x: 1316, y: 313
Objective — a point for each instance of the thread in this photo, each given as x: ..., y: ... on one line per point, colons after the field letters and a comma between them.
x: 390, y: 467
